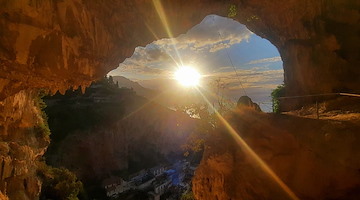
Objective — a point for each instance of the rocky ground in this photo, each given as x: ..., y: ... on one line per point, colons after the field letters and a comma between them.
x: 317, y: 159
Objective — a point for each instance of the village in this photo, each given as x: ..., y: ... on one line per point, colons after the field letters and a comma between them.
x: 160, y: 182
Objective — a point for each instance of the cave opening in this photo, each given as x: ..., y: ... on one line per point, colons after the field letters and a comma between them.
x: 227, y: 54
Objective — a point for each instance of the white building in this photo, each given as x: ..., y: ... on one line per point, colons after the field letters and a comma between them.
x: 158, y: 170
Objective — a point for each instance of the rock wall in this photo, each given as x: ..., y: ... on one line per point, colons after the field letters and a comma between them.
x: 22, y: 144
x: 66, y: 44
x: 316, y: 159
x: 317, y: 40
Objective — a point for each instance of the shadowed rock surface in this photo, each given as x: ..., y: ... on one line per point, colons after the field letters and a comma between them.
x: 66, y: 44
x: 245, y: 102
x: 108, y: 130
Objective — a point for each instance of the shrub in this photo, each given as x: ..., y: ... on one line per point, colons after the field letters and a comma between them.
x: 279, y: 91
x: 58, y: 183
x: 188, y: 196
x: 42, y: 128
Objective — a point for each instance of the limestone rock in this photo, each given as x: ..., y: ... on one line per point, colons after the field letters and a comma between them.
x: 245, y: 102
x: 65, y: 44
x: 21, y: 147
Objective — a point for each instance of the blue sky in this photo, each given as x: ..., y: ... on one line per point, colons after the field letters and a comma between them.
x: 206, y: 47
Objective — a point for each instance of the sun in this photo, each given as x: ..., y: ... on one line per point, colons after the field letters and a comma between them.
x: 187, y: 76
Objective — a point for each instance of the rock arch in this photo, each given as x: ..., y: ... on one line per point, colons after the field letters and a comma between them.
x: 62, y: 44
x: 69, y: 43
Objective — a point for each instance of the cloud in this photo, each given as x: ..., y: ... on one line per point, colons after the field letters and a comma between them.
x: 147, y: 55
x: 251, y: 78
x: 212, y: 34
x: 145, y: 60
x: 141, y: 69
x: 265, y: 60
x: 222, y: 69
x: 257, y: 83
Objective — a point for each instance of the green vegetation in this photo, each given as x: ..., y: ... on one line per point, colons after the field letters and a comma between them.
x: 188, y: 196
x: 102, y: 104
x: 232, y: 11
x: 204, y: 127
x: 42, y: 129
x: 58, y: 183
x: 252, y: 18
x: 279, y: 91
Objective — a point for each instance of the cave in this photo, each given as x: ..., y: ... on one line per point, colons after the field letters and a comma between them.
x: 59, y: 45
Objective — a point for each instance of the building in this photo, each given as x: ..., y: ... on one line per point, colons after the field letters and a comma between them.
x: 115, y: 186
x: 161, y: 187
x: 157, y: 171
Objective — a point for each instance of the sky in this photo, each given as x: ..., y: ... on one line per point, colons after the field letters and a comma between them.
x: 220, y: 49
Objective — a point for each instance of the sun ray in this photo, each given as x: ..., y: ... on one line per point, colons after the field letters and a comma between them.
x: 152, y: 31
x: 160, y: 11
x: 248, y: 150
x: 151, y: 100
x: 157, y: 38
x: 214, y: 96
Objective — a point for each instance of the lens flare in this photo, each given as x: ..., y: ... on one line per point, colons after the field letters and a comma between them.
x: 187, y: 76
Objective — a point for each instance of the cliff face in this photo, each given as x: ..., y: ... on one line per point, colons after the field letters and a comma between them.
x: 91, y: 154
x: 123, y: 132
x: 316, y: 159
x: 58, y: 45
x: 22, y: 145
x: 142, y: 141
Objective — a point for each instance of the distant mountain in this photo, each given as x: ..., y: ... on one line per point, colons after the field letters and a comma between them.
x: 166, y: 92
x: 140, y: 90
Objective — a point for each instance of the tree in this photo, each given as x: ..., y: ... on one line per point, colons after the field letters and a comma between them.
x: 58, y: 183
x: 111, y: 80
x: 223, y: 104
x: 279, y: 91
x: 207, y: 115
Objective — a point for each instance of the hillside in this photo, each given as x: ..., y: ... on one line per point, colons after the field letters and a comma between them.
x: 139, y: 89
x: 111, y: 131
